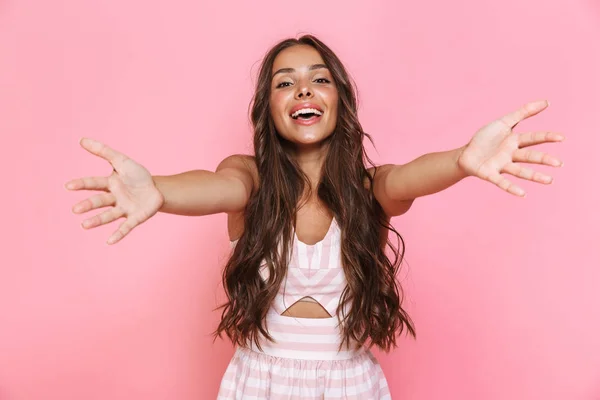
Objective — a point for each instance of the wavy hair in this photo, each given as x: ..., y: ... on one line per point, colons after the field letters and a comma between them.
x: 372, y: 295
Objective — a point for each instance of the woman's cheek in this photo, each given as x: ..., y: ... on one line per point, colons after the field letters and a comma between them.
x: 277, y: 103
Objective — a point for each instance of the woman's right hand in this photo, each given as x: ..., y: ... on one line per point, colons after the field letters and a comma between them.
x: 130, y: 191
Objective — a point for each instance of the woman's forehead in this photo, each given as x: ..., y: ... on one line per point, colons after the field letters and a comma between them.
x: 297, y: 57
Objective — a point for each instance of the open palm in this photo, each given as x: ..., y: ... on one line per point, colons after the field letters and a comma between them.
x: 129, y: 191
x: 495, y: 149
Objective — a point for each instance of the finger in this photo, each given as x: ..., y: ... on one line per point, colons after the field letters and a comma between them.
x: 97, y: 201
x: 528, y: 110
x: 126, y: 227
x: 533, y: 138
x: 103, y: 218
x: 535, y: 157
x: 88, y: 183
x: 101, y: 150
x: 527, y: 173
x: 505, y: 184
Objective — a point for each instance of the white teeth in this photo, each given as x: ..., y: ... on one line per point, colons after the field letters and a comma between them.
x: 307, y: 111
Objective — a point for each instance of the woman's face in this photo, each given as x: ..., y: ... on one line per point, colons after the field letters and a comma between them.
x: 304, y: 98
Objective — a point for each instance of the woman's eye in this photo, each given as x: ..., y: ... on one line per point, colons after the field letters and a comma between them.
x: 322, y: 80
x: 283, y: 84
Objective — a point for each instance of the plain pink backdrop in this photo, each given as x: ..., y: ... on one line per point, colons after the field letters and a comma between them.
x: 504, y: 291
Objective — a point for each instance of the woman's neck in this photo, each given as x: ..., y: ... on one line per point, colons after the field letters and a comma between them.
x: 310, y: 159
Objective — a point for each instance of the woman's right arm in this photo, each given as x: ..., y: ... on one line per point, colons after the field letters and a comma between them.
x: 202, y: 192
x: 133, y: 193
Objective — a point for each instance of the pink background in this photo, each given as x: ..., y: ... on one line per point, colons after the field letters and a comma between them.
x: 504, y: 291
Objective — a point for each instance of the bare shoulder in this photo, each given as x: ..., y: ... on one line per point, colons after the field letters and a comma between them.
x: 377, y: 172
x: 379, y: 180
x: 242, y: 167
x: 239, y: 161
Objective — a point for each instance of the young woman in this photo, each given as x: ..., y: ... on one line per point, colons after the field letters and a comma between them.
x: 309, y: 286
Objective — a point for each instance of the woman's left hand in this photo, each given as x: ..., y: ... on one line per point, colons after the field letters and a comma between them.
x: 496, y: 149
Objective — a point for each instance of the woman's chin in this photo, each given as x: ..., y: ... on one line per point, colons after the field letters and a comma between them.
x: 309, y: 142
x: 308, y: 138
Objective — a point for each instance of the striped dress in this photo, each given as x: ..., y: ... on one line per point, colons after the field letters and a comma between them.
x: 304, y: 363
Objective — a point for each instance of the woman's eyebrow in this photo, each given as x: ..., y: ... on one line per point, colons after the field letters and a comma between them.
x: 290, y: 70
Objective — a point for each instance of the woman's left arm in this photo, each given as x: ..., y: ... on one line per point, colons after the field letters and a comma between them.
x: 494, y: 150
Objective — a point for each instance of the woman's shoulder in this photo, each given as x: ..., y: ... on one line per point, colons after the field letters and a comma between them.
x: 376, y: 171
x: 239, y: 160
x: 243, y: 164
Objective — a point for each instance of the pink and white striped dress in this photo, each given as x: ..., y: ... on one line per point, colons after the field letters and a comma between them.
x: 304, y: 362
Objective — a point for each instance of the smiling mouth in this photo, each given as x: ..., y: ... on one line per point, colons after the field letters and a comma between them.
x: 306, y: 113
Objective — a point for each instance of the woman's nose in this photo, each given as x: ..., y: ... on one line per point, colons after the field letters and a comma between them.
x: 304, y: 93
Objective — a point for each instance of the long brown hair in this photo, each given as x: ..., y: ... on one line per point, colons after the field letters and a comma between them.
x: 373, y: 294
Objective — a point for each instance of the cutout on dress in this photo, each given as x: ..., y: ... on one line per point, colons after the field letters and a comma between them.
x: 306, y: 307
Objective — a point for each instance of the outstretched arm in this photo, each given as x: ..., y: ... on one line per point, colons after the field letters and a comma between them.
x: 132, y: 193
x: 494, y: 150
x: 202, y: 192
